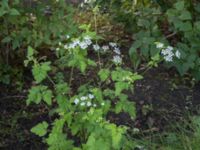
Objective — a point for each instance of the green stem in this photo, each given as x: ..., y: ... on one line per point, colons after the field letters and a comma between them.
x: 54, y: 84
x: 71, y: 76
x: 95, y: 23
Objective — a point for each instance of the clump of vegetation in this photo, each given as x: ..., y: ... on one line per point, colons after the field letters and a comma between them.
x: 79, y: 69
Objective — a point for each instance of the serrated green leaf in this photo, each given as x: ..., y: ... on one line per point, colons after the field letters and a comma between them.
x: 40, y: 71
x: 130, y: 108
x: 62, y: 88
x: 120, y: 86
x: 47, y: 96
x: 6, y: 39
x: 40, y: 129
x: 30, y: 52
x: 104, y: 74
x: 34, y: 95
x: 136, y: 77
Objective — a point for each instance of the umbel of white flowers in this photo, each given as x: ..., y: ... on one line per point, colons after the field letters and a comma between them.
x: 86, y: 41
x: 168, y: 52
x: 86, y: 101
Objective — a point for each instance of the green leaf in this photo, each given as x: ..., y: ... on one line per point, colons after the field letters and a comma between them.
x: 185, y: 15
x: 135, y: 57
x: 14, y: 12
x: 136, y: 77
x: 6, y: 39
x: 40, y: 71
x: 119, y: 107
x: 2, y: 12
x: 30, y: 52
x: 180, y: 5
x: 129, y: 107
x: 47, y: 95
x: 197, y: 25
x: 116, y: 134
x: 40, y: 129
x: 185, y: 26
x: 34, y: 95
x: 120, y: 86
x: 57, y: 140
x: 91, y: 63
x: 104, y: 74
x: 62, y: 88
x: 96, y: 143
x: 82, y: 66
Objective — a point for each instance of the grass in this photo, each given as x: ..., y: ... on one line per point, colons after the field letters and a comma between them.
x: 184, y: 135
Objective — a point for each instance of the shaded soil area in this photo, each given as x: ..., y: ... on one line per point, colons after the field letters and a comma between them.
x: 16, y: 120
x: 160, y: 98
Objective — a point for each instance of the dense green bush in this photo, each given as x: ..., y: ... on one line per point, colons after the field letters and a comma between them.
x: 148, y: 19
x: 34, y: 23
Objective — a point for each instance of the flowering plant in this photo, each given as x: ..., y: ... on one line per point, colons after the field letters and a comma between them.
x: 82, y: 112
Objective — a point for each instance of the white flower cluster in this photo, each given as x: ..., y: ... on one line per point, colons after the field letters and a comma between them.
x: 86, y: 101
x: 87, y: 41
x: 168, y: 52
x: 98, y: 48
x: 83, y: 44
x: 113, y: 46
x: 117, y: 59
x: 86, y: 2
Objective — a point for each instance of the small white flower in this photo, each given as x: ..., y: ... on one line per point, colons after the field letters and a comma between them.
x: 112, y: 44
x: 57, y: 49
x: 87, y: 40
x: 83, y: 45
x: 76, y: 101
x: 170, y: 48
x: 105, y: 48
x: 72, y: 45
x: 178, y: 54
x: 89, y: 104
x: 59, y: 43
x: 117, y: 59
x: 82, y: 4
x: 102, y: 104
x: 159, y: 45
x: 76, y: 42
x: 67, y: 36
x: 91, y: 96
x: 167, y: 51
x: 83, y: 98
x: 94, y: 105
x: 168, y: 58
x: 65, y: 46
x: 117, y: 51
x: 82, y: 103
x: 96, y: 47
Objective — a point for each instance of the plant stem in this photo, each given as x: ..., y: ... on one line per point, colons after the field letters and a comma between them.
x: 51, y: 80
x: 95, y: 24
x: 71, y: 76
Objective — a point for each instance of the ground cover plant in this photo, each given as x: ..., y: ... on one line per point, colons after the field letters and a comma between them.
x: 97, y: 74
